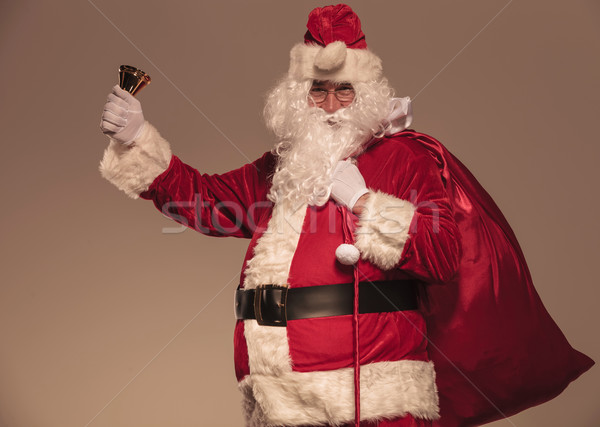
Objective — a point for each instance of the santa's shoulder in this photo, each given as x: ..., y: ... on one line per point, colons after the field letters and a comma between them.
x: 404, y: 145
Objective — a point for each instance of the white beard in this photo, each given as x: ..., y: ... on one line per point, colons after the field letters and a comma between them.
x: 305, y: 164
x: 311, y: 141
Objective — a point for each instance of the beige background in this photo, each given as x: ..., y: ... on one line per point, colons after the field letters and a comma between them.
x: 111, y: 316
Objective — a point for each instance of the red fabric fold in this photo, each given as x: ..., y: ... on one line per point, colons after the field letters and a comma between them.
x: 496, y: 349
x: 334, y: 23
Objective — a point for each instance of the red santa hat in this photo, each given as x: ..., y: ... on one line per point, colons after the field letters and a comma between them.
x: 334, y: 48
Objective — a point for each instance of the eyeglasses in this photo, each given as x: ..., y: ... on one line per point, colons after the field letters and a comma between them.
x: 343, y: 94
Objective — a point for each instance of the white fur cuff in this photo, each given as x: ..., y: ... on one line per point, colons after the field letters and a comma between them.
x: 383, y: 229
x: 133, y: 168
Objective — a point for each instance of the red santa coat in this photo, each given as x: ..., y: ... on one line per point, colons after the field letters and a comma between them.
x: 302, y: 374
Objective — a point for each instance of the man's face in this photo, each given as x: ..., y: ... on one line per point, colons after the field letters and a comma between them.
x: 330, y: 96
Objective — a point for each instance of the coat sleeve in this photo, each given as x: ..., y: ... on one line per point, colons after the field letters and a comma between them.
x: 217, y: 205
x: 409, y: 222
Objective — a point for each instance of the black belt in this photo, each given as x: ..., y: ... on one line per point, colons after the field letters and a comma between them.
x: 273, y: 305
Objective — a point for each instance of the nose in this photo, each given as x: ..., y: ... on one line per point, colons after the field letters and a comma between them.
x: 331, y: 103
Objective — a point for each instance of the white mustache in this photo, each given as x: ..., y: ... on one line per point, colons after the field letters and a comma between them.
x: 336, y: 117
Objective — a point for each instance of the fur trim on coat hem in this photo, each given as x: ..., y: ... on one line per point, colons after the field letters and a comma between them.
x: 388, y: 390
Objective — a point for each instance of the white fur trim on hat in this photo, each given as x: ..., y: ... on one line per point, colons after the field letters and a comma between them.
x: 329, y: 63
x: 133, y: 168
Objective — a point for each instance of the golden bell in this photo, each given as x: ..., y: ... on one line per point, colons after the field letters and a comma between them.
x: 132, y: 80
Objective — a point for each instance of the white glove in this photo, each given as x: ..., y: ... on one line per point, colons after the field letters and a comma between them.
x: 122, y: 118
x: 400, y: 117
x: 348, y: 184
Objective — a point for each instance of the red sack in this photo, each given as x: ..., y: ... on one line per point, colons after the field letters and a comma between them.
x: 496, y: 349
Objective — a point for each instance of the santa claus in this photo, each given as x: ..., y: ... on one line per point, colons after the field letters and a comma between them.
x: 350, y: 219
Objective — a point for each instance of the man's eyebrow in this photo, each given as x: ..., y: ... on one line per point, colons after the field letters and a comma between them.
x: 324, y: 82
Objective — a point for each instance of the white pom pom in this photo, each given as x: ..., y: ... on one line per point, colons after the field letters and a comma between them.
x: 331, y: 56
x: 347, y: 254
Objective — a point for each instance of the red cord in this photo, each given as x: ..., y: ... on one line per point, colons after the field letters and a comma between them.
x: 349, y: 238
x: 356, y: 353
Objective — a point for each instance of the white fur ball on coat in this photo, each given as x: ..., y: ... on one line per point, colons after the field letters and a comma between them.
x: 347, y: 254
